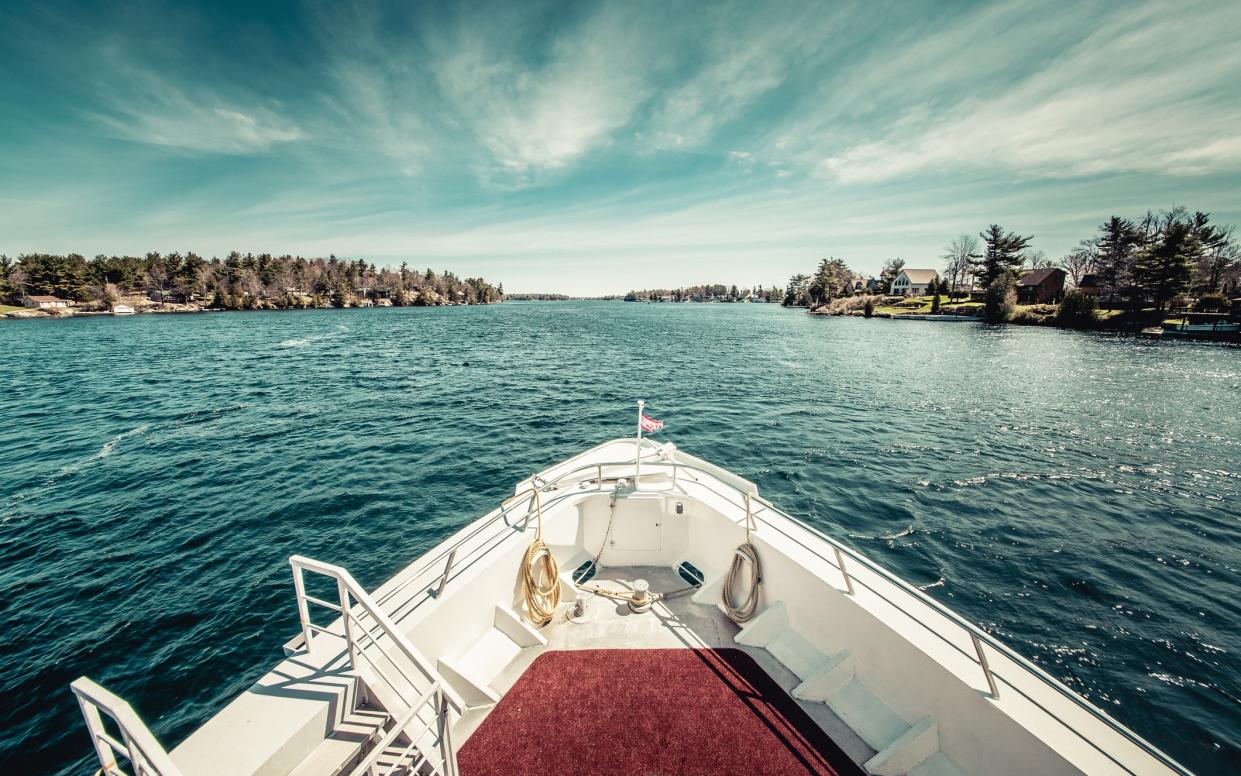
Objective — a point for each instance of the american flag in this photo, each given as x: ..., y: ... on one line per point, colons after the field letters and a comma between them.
x: 650, y: 425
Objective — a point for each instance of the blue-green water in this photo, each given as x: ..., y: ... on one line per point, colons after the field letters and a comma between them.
x: 1078, y: 494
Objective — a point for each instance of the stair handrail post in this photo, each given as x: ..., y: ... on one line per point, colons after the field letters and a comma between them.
x: 145, y: 753
x: 385, y: 622
x: 347, y: 618
x: 303, y: 611
x: 446, y: 748
x: 94, y: 724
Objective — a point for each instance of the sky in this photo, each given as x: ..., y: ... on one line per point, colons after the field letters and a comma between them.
x: 591, y: 148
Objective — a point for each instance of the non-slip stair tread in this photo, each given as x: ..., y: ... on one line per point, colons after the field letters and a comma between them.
x: 869, y: 717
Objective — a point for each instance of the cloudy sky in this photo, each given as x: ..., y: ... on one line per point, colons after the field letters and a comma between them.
x: 595, y: 147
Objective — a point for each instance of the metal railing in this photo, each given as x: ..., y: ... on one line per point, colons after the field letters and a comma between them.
x: 382, y: 655
x: 386, y: 758
x: 978, y: 637
x: 137, y: 746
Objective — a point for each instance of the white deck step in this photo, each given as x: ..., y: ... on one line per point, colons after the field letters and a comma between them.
x: 488, y: 657
x: 797, y: 654
x: 346, y: 744
x: 900, y: 748
x: 481, y: 674
x: 869, y: 717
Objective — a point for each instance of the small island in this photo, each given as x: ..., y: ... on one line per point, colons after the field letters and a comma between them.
x: 46, y: 285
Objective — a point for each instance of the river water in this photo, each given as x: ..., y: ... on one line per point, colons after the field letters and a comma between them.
x: 1077, y: 494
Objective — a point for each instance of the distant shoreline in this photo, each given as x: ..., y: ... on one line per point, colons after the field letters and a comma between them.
x: 11, y: 312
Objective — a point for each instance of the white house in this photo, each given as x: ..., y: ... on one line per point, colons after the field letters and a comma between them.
x: 913, y: 282
x: 47, y: 302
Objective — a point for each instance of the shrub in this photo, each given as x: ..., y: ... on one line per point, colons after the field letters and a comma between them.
x: 844, y: 305
x: 935, y: 304
x: 1029, y: 318
x: 869, y: 309
x: 1077, y: 310
x: 1001, y: 299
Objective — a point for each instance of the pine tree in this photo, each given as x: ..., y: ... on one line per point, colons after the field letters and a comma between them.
x: 1002, y: 253
x: 1117, y: 242
x: 1164, y: 268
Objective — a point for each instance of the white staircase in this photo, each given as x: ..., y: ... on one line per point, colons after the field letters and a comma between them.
x: 901, y: 748
x: 345, y: 745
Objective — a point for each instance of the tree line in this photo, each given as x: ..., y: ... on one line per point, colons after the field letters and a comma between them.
x: 1162, y: 259
x: 237, y: 281
x: 704, y: 293
x: 1158, y: 258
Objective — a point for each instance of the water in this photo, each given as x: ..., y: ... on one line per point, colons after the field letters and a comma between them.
x: 1077, y: 494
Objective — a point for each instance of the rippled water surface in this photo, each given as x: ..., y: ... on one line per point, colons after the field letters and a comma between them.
x: 1077, y: 494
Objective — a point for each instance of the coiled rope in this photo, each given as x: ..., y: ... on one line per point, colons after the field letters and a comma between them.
x: 540, y: 575
x: 745, y: 555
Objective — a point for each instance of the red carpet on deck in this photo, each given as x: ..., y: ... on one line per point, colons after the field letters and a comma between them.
x: 641, y: 712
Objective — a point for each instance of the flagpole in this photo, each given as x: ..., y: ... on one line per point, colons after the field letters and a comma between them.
x: 637, y: 459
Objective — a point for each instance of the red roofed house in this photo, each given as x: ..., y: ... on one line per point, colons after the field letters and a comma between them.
x: 1041, y: 286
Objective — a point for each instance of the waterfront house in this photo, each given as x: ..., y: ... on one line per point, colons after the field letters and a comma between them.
x: 1041, y: 286
x: 47, y: 302
x: 1089, y: 285
x: 914, y: 282
x: 860, y: 285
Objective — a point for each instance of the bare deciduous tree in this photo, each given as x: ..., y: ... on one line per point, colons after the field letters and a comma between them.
x: 1080, y: 262
x: 960, y: 256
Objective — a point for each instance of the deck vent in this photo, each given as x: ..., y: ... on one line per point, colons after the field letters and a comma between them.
x: 690, y: 573
x: 585, y: 572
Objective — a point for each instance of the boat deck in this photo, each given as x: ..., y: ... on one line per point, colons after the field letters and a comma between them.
x: 665, y: 691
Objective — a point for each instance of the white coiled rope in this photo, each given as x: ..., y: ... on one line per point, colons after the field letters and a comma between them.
x: 540, y: 576
x: 745, y: 555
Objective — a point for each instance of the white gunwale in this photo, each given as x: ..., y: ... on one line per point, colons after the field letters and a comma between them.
x: 920, y: 657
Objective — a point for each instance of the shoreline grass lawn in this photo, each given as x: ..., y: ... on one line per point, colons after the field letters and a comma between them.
x: 921, y: 305
x: 8, y: 308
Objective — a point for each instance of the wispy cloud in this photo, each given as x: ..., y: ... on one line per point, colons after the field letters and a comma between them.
x: 1148, y: 91
x: 742, y: 53
x: 538, y: 111
x: 138, y: 103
